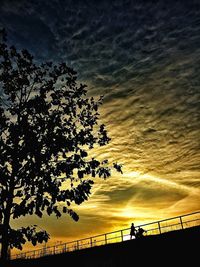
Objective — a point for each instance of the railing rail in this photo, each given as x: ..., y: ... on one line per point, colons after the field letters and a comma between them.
x: 157, y: 227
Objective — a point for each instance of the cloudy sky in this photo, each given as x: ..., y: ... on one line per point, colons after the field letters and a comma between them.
x: 145, y: 59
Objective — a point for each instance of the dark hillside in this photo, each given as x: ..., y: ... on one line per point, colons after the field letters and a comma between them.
x: 170, y: 249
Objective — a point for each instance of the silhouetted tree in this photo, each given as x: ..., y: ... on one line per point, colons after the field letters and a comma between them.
x: 47, y: 126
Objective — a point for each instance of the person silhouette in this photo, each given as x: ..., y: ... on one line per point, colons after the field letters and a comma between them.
x: 140, y: 232
x: 133, y: 230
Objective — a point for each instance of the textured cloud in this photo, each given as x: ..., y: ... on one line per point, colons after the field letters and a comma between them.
x: 144, y: 56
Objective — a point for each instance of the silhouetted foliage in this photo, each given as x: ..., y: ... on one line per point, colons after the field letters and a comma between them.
x: 47, y: 126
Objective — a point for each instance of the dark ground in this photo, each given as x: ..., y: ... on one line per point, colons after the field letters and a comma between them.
x: 170, y: 249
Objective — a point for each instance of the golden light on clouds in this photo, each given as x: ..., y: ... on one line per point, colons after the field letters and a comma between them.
x: 120, y: 200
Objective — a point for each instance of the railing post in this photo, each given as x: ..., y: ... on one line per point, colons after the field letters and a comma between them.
x: 159, y: 227
x: 122, y: 235
x: 181, y: 222
x: 44, y: 251
x: 105, y: 238
x: 77, y: 245
x: 91, y: 242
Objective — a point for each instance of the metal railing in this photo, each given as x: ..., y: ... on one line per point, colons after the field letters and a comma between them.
x: 153, y: 228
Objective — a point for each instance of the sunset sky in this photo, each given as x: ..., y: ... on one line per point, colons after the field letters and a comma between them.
x: 145, y: 59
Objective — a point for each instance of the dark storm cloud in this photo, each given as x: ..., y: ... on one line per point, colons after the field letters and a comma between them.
x: 145, y: 57
x: 124, y: 39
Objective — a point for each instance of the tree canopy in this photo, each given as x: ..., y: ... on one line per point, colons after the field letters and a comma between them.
x: 47, y: 126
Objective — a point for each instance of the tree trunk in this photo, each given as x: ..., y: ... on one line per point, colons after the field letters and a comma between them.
x: 5, y: 229
x: 5, y: 238
x: 4, y: 247
x: 6, y: 220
